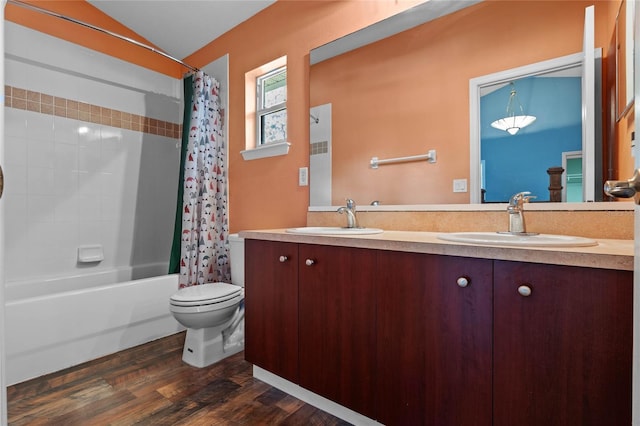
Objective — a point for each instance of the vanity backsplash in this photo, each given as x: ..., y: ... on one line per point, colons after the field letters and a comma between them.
x: 607, y: 224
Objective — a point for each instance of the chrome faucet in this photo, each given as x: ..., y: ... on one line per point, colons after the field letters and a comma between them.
x: 516, y: 212
x: 350, y: 211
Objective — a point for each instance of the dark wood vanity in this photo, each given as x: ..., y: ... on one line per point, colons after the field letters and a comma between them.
x: 436, y: 336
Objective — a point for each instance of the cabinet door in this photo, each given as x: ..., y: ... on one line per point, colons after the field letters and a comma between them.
x: 337, y: 324
x: 434, y: 340
x: 562, y: 354
x: 271, y: 301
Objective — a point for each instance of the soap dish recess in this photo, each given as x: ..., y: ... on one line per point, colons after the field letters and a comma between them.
x: 90, y: 253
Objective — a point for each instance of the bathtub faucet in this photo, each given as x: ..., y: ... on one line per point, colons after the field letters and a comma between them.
x: 350, y: 211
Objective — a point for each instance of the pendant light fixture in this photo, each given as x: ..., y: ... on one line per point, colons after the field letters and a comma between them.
x: 511, y: 123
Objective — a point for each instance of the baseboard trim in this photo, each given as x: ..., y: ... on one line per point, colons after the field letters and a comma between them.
x: 313, y: 399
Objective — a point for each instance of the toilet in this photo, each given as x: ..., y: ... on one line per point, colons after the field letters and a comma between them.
x: 212, y: 313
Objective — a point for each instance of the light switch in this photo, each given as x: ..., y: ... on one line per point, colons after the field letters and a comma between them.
x: 303, y: 176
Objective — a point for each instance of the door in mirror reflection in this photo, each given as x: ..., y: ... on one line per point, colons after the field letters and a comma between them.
x: 572, y: 184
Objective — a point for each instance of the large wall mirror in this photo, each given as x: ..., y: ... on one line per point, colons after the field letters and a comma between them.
x: 407, y: 93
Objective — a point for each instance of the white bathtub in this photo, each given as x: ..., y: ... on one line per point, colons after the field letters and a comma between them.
x: 57, y: 323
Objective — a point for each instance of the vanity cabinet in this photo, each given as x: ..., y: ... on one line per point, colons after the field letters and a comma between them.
x: 434, y: 340
x: 337, y: 324
x: 310, y: 318
x: 271, y: 307
x: 562, y: 345
x: 409, y: 339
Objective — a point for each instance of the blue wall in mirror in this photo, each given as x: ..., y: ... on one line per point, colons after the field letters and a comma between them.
x: 515, y: 163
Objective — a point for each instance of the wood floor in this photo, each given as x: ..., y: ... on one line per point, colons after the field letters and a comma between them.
x: 150, y: 385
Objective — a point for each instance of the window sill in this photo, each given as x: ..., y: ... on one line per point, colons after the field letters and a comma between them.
x: 264, y: 151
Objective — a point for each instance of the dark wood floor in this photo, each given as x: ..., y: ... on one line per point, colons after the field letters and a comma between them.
x: 150, y: 385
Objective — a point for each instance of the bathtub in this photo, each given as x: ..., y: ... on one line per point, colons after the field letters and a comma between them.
x: 57, y: 323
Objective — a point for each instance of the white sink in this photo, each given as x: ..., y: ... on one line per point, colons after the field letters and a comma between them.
x: 331, y: 230
x: 521, y: 240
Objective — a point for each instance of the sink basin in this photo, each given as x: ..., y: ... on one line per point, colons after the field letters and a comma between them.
x: 331, y: 230
x: 520, y: 240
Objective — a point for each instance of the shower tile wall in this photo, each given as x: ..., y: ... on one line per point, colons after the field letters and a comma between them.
x: 71, y: 183
x: 76, y: 181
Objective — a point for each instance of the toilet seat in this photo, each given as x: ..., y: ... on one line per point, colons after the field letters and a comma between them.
x: 207, y: 294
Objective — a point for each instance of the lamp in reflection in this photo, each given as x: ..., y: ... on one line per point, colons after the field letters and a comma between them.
x: 512, y: 122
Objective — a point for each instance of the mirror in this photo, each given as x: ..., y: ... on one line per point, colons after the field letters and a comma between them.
x: 435, y: 61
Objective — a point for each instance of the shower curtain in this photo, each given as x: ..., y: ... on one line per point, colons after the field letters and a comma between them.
x: 200, y: 251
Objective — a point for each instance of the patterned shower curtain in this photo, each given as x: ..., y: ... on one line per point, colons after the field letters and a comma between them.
x: 204, y: 242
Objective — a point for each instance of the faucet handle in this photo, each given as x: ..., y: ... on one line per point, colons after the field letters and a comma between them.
x: 351, y: 204
x: 520, y: 197
x: 517, y: 201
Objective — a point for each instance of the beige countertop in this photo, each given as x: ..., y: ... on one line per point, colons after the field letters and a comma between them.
x: 608, y: 254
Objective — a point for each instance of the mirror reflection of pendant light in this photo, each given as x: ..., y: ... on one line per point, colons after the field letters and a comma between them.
x: 511, y: 123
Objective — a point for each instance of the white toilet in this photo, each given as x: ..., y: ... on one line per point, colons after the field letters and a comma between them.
x: 208, y: 309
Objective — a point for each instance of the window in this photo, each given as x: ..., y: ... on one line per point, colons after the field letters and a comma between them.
x: 271, y: 107
x: 265, y: 106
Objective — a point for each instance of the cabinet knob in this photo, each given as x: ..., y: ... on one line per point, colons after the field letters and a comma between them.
x: 524, y: 290
x: 309, y: 262
x: 283, y: 259
x: 462, y: 282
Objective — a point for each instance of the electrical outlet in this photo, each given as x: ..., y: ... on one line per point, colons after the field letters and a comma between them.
x: 303, y: 176
x: 459, y: 185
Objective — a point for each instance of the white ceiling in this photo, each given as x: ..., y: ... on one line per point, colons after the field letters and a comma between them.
x: 180, y: 27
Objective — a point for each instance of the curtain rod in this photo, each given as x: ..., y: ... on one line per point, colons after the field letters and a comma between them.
x: 102, y: 30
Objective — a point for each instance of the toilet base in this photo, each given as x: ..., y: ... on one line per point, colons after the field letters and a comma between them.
x: 204, y: 346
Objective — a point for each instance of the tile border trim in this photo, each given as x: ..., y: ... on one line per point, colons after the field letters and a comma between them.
x: 52, y: 105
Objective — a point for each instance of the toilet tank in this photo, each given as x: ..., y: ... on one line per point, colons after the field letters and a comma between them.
x: 236, y: 258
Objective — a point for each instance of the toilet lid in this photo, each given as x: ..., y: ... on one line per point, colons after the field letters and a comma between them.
x: 206, y: 293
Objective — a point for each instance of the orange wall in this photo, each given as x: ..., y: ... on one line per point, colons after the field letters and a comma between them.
x: 85, y: 12
x: 417, y: 98
x: 623, y: 164
x: 264, y: 193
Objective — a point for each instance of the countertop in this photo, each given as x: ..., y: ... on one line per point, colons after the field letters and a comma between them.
x: 608, y: 254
